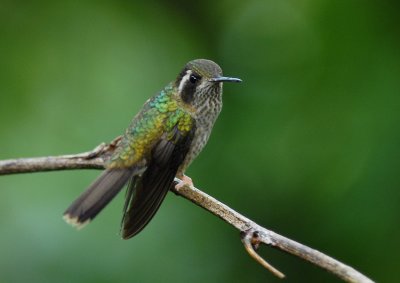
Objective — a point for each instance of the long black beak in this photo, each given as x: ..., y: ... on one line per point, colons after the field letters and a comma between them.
x: 225, y: 79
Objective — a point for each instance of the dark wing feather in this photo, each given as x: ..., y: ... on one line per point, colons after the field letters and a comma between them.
x: 146, y: 192
x: 97, y: 196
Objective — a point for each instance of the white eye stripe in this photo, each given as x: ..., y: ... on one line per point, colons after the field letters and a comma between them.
x: 184, y: 79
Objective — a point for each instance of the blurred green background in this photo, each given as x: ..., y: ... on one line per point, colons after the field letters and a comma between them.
x: 307, y: 146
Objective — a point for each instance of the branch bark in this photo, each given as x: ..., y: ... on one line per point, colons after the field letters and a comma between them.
x: 252, y: 234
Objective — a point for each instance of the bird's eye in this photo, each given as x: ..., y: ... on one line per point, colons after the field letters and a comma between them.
x: 193, y: 79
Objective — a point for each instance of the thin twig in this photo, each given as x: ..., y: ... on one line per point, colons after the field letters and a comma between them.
x: 253, y: 233
x: 251, y: 242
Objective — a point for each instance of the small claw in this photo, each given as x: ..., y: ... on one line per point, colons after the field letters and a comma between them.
x: 184, y: 181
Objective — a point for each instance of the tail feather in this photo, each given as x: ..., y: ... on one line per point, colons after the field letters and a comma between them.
x: 97, y: 196
x: 144, y: 197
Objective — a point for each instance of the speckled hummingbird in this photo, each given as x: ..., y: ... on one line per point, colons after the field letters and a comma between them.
x: 161, y: 142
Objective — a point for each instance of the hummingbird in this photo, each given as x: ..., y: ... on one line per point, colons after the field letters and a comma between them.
x: 161, y: 142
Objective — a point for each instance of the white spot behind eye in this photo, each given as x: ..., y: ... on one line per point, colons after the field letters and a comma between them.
x: 184, y: 79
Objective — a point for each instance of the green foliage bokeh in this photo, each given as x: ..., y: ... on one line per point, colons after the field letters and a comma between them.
x: 307, y: 146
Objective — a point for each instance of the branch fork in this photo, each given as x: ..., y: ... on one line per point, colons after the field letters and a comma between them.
x: 251, y: 241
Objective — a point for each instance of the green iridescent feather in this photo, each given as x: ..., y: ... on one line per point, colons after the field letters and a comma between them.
x: 158, y: 116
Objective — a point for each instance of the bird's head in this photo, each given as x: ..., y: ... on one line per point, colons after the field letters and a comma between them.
x: 200, y: 81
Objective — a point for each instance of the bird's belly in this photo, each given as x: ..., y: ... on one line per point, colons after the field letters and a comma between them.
x: 204, y: 123
x: 199, y: 141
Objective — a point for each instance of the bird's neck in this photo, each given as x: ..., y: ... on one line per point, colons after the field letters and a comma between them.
x: 205, y: 108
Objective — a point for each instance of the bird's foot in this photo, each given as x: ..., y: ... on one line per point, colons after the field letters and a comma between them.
x: 185, y: 180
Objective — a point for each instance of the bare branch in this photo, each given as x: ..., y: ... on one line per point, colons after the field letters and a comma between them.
x: 252, y: 233
x: 93, y: 159
x: 268, y: 237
